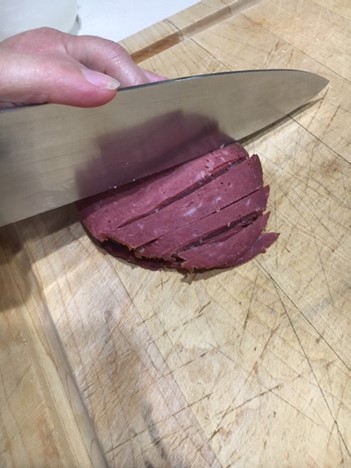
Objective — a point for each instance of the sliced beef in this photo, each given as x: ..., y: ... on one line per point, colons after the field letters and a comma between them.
x: 239, y: 181
x: 121, y: 251
x: 207, y: 213
x: 108, y: 211
x: 241, y: 211
x: 261, y: 244
x: 226, y: 252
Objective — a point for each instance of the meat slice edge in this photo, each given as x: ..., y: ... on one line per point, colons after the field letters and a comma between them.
x: 224, y: 253
x: 248, y: 207
x: 104, y: 212
x: 238, y: 182
x: 261, y: 244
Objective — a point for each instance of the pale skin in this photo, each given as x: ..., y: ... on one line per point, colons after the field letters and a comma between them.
x: 47, y: 66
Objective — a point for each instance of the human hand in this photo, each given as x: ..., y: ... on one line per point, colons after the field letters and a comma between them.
x: 46, y: 65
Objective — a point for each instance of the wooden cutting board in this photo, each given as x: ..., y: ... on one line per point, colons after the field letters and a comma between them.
x: 103, y: 363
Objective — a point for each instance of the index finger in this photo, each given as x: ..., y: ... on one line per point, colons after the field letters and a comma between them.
x: 106, y: 57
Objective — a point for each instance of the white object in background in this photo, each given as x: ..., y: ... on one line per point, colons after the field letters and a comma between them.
x: 119, y: 19
x: 20, y: 15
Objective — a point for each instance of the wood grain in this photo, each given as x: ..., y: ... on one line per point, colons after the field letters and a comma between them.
x: 43, y: 421
x: 173, y: 30
x: 244, y: 367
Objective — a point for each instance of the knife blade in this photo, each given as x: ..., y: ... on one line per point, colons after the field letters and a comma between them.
x: 52, y: 155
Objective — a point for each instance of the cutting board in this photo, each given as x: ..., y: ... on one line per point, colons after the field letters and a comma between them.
x: 106, y: 364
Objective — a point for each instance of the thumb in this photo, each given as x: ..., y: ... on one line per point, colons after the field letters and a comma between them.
x: 35, y: 79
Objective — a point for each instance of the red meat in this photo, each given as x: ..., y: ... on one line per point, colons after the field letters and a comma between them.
x: 239, y: 212
x: 224, y: 252
x: 105, y: 212
x: 239, y: 181
x: 207, y: 213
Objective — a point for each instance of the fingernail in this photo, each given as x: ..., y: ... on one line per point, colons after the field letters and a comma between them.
x: 100, y: 80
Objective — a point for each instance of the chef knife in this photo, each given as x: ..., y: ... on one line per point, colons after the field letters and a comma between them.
x: 52, y: 155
